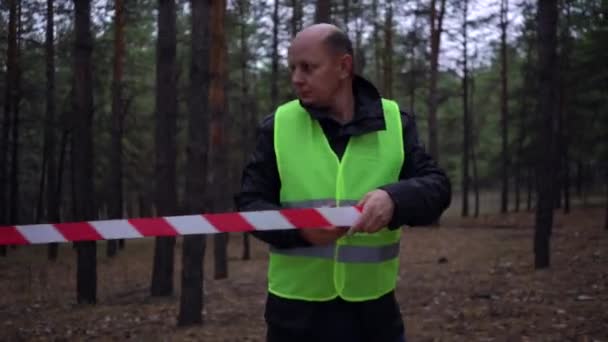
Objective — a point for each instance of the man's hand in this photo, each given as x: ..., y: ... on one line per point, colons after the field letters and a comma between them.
x: 378, y: 208
x: 324, y: 236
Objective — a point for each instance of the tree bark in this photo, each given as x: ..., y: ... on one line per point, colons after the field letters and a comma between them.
x: 9, y: 104
x: 82, y: 150
x: 465, y: 114
x: 387, y: 75
x: 473, y: 144
x: 274, y: 81
x: 50, y: 131
x: 217, y: 105
x: 323, y: 11
x: 116, y: 185
x: 504, y: 106
x: 165, y: 172
x: 436, y: 24
x: 296, y: 17
x: 547, y: 23
x: 246, y: 111
x: 192, y: 296
x: 346, y: 14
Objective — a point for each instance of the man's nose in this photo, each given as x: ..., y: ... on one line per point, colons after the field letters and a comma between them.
x: 296, y: 77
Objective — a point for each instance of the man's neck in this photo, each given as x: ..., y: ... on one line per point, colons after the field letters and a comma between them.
x: 343, y: 108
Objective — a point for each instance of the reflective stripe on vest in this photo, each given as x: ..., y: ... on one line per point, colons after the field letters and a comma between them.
x: 358, y: 267
x: 347, y: 254
x: 319, y: 203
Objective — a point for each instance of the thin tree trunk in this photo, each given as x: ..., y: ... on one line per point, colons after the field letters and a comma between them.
x: 606, y: 218
x: 376, y: 41
x: 474, y: 140
x: 465, y: 116
x: 217, y: 104
x: 346, y: 13
x: 296, y: 17
x: 504, y: 109
x: 166, y: 127
x: 52, y: 201
x: 530, y: 180
x: 274, y: 81
x: 192, y: 296
x: 245, y: 97
x: 16, y: 101
x: 436, y: 21
x: 564, y: 108
x: 116, y: 186
x: 547, y: 23
x: 9, y: 104
x: 82, y: 150
x: 523, y: 114
x: 53, y: 247
x: 323, y: 11
x: 579, y: 177
x: 387, y: 75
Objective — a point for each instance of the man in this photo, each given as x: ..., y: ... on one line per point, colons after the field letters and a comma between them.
x: 339, y: 144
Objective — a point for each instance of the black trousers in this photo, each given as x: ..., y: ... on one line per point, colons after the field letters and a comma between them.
x: 336, y: 320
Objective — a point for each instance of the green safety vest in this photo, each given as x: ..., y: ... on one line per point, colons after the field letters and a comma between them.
x: 358, y: 267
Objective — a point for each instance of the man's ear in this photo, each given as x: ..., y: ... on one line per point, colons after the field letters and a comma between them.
x: 346, y: 66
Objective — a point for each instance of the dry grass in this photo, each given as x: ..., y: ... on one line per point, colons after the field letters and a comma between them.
x: 487, y: 290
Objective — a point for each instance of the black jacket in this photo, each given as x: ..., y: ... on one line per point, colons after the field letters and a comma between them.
x: 420, y: 196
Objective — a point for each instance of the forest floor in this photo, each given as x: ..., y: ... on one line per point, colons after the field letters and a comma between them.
x: 485, y: 288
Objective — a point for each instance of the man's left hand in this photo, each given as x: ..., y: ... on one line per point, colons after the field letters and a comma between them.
x: 378, y: 208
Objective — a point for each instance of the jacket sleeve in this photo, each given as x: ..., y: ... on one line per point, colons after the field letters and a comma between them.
x: 261, y: 184
x: 423, y: 191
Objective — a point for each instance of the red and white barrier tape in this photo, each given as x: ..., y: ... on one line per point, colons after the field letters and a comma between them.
x: 179, y: 225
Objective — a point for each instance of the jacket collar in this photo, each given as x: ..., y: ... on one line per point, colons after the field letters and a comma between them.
x: 368, y: 116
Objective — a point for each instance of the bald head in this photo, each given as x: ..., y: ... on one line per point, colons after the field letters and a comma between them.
x: 328, y: 35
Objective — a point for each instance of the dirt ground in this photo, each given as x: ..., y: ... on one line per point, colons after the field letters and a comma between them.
x: 484, y: 289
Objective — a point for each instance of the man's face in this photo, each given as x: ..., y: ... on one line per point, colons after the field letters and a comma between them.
x: 316, y: 72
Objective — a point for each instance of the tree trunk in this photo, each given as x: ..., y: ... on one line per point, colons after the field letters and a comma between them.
x: 323, y: 11
x: 192, y: 296
x: 606, y: 219
x: 473, y: 144
x: 530, y: 180
x: 274, y: 81
x: 246, y: 247
x: 52, y: 201
x: 116, y: 186
x: 436, y: 21
x: 387, y: 75
x: 53, y: 247
x: 524, y: 112
x: 376, y: 41
x: 217, y: 105
x: 9, y: 104
x: 547, y: 22
x: 166, y: 127
x: 504, y: 103
x: 82, y: 150
x: 296, y: 17
x: 465, y: 114
x: 579, y: 177
x: 346, y: 14
x: 246, y: 111
x: 565, y: 107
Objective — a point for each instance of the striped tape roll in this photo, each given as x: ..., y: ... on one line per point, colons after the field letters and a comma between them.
x: 312, y: 218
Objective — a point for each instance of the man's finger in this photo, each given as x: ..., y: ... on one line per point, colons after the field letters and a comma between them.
x: 361, y: 222
x: 363, y: 200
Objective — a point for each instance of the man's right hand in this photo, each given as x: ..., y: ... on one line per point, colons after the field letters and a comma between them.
x: 323, y: 236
